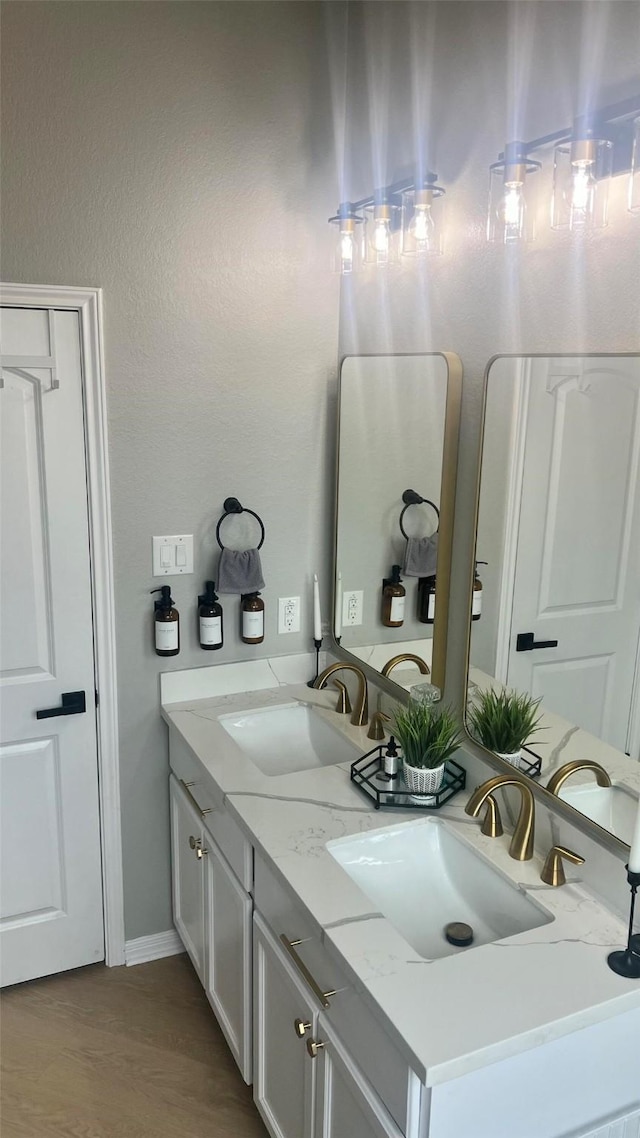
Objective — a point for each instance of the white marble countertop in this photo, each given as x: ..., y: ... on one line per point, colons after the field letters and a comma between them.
x: 449, y: 1016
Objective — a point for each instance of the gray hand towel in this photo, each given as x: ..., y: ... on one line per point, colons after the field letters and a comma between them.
x: 240, y: 571
x: 421, y: 556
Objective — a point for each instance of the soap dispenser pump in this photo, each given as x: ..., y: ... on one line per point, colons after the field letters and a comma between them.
x: 210, y: 618
x: 393, y: 599
x: 166, y: 624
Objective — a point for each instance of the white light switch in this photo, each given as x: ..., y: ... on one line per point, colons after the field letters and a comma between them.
x: 172, y: 555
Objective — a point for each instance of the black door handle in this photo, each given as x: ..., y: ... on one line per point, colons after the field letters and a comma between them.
x: 73, y: 703
x: 526, y: 643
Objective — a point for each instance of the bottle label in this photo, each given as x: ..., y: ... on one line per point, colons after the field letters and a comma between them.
x: 166, y: 635
x: 397, y: 609
x: 252, y: 625
x: 476, y: 608
x: 431, y: 610
x: 211, y: 630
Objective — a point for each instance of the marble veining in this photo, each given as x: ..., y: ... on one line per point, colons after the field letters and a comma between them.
x: 551, y: 980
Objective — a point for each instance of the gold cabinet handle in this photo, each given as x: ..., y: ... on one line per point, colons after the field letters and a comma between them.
x: 289, y: 945
x: 196, y: 844
x: 202, y: 810
x: 301, y: 1026
x: 313, y: 1046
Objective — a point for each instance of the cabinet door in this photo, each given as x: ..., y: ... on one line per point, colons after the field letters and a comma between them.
x: 228, y: 973
x: 346, y: 1105
x: 187, y: 874
x: 284, y: 1075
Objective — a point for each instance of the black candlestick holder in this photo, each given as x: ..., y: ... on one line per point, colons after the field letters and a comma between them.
x: 626, y: 962
x: 318, y: 644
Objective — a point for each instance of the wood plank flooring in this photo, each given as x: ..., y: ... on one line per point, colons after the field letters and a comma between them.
x: 119, y: 1053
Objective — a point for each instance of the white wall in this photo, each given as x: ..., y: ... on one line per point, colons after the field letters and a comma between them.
x: 180, y: 156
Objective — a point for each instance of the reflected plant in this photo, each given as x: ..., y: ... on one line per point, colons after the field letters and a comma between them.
x: 503, y: 721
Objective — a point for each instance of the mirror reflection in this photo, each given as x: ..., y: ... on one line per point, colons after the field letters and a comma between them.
x: 389, y: 524
x: 555, y: 634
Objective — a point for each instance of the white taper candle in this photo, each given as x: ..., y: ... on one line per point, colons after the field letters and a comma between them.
x: 317, y: 617
x: 634, y: 856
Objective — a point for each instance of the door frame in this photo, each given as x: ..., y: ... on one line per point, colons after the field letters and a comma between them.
x: 87, y: 302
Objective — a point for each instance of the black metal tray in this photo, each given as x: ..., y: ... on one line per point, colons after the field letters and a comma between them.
x: 366, y: 771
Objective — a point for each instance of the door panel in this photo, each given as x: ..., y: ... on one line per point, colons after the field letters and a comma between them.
x: 188, y: 876
x: 228, y: 981
x: 346, y: 1105
x: 578, y: 552
x: 49, y: 814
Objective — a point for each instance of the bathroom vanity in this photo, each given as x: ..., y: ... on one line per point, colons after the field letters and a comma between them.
x: 327, y: 987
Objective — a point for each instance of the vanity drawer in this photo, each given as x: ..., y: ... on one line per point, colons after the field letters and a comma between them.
x: 215, y: 817
x: 358, y: 1029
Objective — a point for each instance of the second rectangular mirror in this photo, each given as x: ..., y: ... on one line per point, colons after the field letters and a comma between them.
x: 559, y: 529
x: 397, y: 450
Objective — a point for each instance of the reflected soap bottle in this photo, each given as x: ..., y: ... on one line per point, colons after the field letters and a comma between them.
x: 393, y: 599
x: 427, y: 600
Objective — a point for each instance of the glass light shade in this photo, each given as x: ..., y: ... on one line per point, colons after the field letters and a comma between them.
x: 510, y: 218
x: 380, y: 238
x: 348, y: 247
x: 581, y: 173
x: 634, y: 177
x: 422, y: 222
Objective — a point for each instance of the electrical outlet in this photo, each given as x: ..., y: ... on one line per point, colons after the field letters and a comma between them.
x: 352, y: 606
x: 288, y: 614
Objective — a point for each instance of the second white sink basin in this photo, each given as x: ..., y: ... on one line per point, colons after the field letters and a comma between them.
x: 287, y: 738
x: 612, y: 807
x: 422, y: 877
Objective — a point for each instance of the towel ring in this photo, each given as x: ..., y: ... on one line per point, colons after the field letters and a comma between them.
x: 411, y: 498
x: 232, y: 506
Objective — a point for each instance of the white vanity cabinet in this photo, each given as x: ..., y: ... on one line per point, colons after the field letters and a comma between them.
x: 306, y: 1085
x: 212, y: 913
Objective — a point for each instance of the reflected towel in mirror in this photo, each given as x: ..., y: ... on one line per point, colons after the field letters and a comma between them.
x: 421, y: 556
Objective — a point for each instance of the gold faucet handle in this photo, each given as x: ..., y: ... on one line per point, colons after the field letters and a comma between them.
x: 376, y: 730
x: 553, y: 869
x: 492, y: 825
x: 343, y: 706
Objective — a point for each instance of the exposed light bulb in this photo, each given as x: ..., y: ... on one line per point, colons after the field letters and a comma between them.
x: 583, y: 191
x: 422, y: 229
x: 347, y: 250
x: 513, y: 211
x: 381, y: 237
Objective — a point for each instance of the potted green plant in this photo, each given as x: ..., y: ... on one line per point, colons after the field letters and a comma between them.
x: 428, y: 736
x: 503, y: 721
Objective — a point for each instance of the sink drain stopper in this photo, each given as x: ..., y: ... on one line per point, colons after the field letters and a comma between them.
x: 458, y: 933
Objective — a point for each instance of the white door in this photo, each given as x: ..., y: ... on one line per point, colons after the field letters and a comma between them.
x: 51, y: 914
x: 577, y: 578
x: 346, y: 1105
x: 187, y: 869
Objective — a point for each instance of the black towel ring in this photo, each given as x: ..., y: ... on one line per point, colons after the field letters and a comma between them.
x: 232, y: 506
x: 411, y: 498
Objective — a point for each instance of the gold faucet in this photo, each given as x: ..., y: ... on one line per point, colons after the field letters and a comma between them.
x: 521, y: 847
x: 390, y: 664
x: 553, y: 869
x: 360, y: 715
x: 557, y: 780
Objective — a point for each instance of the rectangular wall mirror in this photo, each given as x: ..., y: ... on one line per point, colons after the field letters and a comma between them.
x: 557, y: 605
x: 397, y: 453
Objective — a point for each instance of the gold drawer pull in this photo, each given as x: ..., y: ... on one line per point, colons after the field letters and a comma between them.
x: 300, y: 1027
x: 323, y: 997
x: 202, y: 810
x: 313, y: 1046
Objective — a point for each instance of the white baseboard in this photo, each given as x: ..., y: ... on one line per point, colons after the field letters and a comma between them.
x: 152, y: 947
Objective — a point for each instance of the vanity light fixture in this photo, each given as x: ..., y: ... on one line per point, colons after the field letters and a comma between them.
x: 406, y: 209
x: 587, y: 154
x: 509, y: 219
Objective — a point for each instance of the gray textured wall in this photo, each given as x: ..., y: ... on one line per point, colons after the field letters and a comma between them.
x: 181, y: 155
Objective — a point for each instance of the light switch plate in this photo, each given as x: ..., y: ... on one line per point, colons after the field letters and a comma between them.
x: 173, y: 555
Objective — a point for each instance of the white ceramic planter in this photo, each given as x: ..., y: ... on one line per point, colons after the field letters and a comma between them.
x: 513, y: 758
x: 421, y: 781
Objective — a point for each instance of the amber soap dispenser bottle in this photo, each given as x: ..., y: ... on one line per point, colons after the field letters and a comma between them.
x: 166, y: 624
x: 252, y: 617
x: 393, y: 599
x: 210, y: 618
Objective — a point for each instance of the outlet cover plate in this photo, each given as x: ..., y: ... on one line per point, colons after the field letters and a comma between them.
x: 352, y: 606
x: 288, y: 614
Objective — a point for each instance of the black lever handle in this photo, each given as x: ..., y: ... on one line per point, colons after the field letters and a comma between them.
x: 526, y: 643
x: 73, y: 703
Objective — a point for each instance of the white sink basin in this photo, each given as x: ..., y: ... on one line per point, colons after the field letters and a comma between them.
x: 421, y: 877
x: 612, y: 807
x: 287, y: 738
